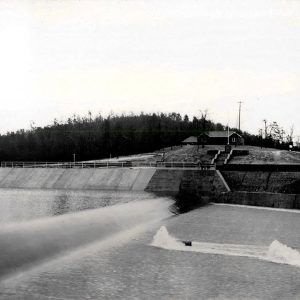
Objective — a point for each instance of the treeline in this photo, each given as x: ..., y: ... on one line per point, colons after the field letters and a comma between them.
x: 98, y: 137
x: 266, y: 142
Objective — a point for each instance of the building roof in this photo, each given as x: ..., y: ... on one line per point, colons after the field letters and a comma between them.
x: 211, y: 134
x: 191, y: 139
x: 220, y: 134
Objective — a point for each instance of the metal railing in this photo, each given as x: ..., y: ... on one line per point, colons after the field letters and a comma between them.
x: 215, y: 157
x: 108, y: 164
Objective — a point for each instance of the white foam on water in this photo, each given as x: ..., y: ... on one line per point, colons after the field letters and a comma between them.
x: 281, y: 253
x: 164, y: 240
x: 276, y: 252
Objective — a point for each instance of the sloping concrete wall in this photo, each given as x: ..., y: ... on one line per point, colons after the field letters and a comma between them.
x: 98, y: 179
x: 165, y: 181
x: 171, y: 181
x: 202, y: 183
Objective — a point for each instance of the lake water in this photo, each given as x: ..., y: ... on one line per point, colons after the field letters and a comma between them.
x: 24, y: 204
x: 99, y: 245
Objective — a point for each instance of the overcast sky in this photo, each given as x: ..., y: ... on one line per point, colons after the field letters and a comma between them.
x: 58, y: 58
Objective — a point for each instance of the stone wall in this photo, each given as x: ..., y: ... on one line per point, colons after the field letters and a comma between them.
x: 262, y: 181
x: 165, y: 182
x: 278, y: 200
x: 191, y: 188
x: 171, y: 181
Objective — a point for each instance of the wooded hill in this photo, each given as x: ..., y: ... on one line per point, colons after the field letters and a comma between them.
x: 101, y: 137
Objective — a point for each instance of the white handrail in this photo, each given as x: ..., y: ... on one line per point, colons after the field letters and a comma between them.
x: 165, y: 164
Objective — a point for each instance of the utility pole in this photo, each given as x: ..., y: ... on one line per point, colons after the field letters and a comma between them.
x: 228, y: 142
x: 240, y: 105
x: 265, y: 121
x: 261, y: 137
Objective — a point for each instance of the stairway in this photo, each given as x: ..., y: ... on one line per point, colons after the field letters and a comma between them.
x: 221, y: 158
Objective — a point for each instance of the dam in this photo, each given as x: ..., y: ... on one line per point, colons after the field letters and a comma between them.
x: 79, y: 179
x: 88, y: 233
x: 248, y: 185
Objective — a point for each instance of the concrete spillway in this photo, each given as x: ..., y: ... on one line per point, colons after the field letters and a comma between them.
x: 160, y: 181
x: 102, y: 179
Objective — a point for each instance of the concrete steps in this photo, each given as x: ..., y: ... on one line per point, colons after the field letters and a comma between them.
x: 221, y: 158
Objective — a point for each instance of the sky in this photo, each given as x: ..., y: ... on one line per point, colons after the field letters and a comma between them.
x: 59, y: 58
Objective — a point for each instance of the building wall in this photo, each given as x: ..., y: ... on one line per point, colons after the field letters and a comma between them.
x: 233, y: 140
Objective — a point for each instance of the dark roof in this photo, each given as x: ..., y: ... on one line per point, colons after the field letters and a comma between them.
x: 220, y: 134
x: 191, y: 139
x: 212, y: 134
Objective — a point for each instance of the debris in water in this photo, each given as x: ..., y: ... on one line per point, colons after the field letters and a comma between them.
x: 187, y: 243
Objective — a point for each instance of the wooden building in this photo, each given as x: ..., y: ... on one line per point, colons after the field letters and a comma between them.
x: 215, y: 138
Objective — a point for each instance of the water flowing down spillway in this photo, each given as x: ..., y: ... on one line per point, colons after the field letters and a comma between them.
x: 27, y: 243
x: 100, y: 245
x: 276, y: 252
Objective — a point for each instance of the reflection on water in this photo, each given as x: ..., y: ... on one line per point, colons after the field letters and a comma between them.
x: 24, y: 204
x: 60, y: 205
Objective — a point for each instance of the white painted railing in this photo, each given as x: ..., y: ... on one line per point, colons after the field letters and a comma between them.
x: 215, y: 157
x: 126, y: 164
x: 228, y: 157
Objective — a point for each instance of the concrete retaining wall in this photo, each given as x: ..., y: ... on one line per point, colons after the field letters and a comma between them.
x: 265, y: 167
x: 83, y: 179
x: 261, y: 199
x: 171, y: 181
x: 160, y: 181
x: 165, y: 181
x: 261, y: 181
